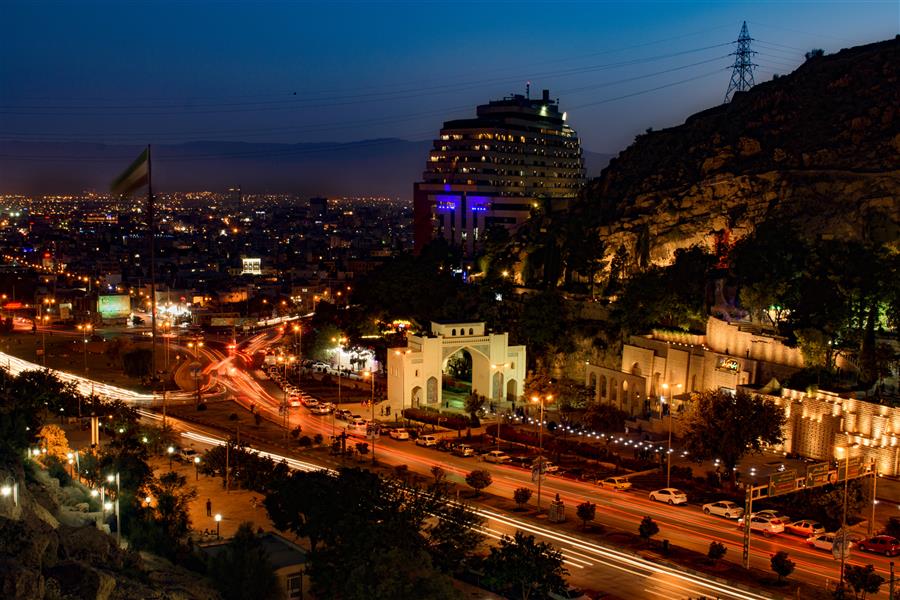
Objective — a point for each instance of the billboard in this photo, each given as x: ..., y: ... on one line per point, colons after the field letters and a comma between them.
x: 114, y: 307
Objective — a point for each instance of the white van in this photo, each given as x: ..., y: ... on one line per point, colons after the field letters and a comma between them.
x: 427, y: 440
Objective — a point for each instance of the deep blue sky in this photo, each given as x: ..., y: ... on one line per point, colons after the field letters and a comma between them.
x: 132, y: 71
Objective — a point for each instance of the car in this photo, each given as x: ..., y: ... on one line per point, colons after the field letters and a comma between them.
x: 670, y: 496
x: 615, y: 483
x: 308, y: 401
x: 765, y: 524
x: 427, y: 441
x: 549, y: 467
x: 824, y: 541
x: 320, y: 409
x: 463, y: 450
x: 570, y: 593
x: 724, y: 508
x: 881, y: 544
x: 497, y: 456
x: 343, y: 414
x: 187, y: 455
x: 399, y: 434
x: 805, y: 527
x: 775, y: 514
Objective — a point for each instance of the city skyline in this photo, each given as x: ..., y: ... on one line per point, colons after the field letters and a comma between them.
x: 209, y: 71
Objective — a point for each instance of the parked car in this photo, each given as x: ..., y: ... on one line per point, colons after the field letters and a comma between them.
x: 724, y: 508
x: 549, y: 467
x: 344, y: 414
x: 187, y: 455
x: 823, y: 541
x: 427, y: 441
x: 399, y: 434
x: 669, y: 496
x: 775, y: 514
x: 497, y: 456
x: 570, y: 593
x: 765, y: 524
x: 805, y: 527
x: 881, y: 544
x: 320, y: 409
x: 463, y: 450
x: 615, y: 483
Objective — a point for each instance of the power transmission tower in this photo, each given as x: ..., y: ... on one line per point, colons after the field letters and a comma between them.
x: 742, y: 70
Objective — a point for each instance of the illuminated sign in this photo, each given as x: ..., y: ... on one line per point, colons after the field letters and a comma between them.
x: 114, y: 307
x: 446, y: 202
x: 251, y: 266
x: 728, y: 364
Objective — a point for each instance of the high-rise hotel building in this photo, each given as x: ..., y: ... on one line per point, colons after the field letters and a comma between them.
x: 517, y: 153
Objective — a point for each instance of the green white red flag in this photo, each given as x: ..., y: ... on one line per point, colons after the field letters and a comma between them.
x: 135, y: 176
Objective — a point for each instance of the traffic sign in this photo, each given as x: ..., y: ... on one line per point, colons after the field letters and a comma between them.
x: 196, y: 369
x: 782, y: 483
x: 817, y: 474
x: 849, y: 468
x: 840, y: 548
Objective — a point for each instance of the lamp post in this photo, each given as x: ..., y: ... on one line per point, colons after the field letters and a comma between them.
x: 218, y: 519
x: 540, y: 473
x: 846, y: 452
x: 339, y: 341
x: 10, y: 488
x: 195, y: 346
x: 170, y: 451
x: 110, y: 479
x: 196, y: 468
x: 665, y: 386
x: 369, y: 374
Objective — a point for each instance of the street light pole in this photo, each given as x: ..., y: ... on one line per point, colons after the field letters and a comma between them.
x: 540, y: 446
x: 371, y: 376
x: 665, y: 386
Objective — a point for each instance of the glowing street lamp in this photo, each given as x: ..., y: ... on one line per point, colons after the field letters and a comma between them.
x: 540, y: 465
x: 665, y: 387
x: 218, y: 519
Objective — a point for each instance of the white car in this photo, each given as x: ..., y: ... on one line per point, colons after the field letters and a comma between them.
x: 399, y: 434
x: 427, y: 441
x: 724, y: 508
x: 767, y: 525
x: 805, y: 527
x: 320, y: 409
x: 775, y: 514
x: 497, y: 456
x: 824, y: 541
x: 615, y: 483
x: 670, y: 496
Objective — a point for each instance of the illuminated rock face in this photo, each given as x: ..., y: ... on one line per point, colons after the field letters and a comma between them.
x: 819, y: 147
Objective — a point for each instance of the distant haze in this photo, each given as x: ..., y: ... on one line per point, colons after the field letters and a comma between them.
x: 379, y: 167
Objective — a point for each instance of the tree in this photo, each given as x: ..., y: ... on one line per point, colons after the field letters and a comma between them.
x: 863, y: 580
x: 479, y: 479
x: 522, y: 567
x: 172, y: 498
x: 455, y: 537
x: 522, y: 495
x: 136, y: 363
x: 53, y: 439
x: 782, y: 565
x: 474, y: 404
x: 647, y: 529
x: 725, y: 426
x: 242, y: 568
x: 716, y: 551
x: 439, y: 475
x: 892, y: 528
x: 586, y: 511
x: 814, y: 53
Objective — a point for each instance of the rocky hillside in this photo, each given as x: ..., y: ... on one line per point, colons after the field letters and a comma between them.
x: 820, y: 146
x: 51, y: 549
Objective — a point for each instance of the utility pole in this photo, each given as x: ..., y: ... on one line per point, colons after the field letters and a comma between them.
x: 742, y: 69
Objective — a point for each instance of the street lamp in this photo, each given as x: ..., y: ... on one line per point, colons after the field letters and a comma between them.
x: 10, y: 488
x: 197, y: 468
x: 541, y: 400
x: 110, y: 479
x: 499, y: 369
x: 339, y: 341
x: 370, y: 375
x: 665, y: 386
x: 170, y: 450
x: 218, y: 519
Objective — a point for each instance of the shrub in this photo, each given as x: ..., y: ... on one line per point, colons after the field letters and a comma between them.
x: 479, y: 479
x: 586, y: 511
x: 782, y: 565
x: 430, y: 416
x: 362, y: 447
x: 318, y: 439
x: 57, y: 469
x: 305, y: 441
x: 202, y: 406
x: 522, y: 495
x: 647, y: 529
x: 716, y: 551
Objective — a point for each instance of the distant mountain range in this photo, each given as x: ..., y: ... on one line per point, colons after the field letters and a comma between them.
x: 378, y: 167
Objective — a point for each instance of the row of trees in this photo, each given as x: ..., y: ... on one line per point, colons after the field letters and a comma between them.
x: 414, y: 539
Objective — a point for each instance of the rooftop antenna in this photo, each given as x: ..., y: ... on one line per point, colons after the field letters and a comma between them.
x: 528, y: 90
x: 742, y: 70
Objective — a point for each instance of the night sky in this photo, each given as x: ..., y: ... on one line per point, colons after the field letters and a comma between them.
x: 140, y: 72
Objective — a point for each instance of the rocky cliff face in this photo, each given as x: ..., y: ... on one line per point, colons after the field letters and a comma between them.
x: 820, y: 146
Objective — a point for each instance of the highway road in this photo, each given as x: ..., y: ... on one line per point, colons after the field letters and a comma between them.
x: 683, y: 526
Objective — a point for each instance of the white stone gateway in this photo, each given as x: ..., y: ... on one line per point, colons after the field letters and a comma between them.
x: 415, y: 371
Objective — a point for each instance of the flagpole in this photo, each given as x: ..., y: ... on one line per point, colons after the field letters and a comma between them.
x: 151, y: 222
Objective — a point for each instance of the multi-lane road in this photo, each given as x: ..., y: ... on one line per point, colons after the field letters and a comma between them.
x: 590, y: 564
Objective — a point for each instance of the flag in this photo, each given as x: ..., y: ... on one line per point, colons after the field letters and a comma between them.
x: 135, y: 176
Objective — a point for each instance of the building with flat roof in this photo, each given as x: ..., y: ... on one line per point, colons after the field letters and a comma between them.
x: 516, y: 154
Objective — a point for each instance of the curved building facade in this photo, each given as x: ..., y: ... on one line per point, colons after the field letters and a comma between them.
x: 517, y: 153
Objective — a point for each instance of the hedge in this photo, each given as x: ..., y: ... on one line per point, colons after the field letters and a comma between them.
x: 430, y: 416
